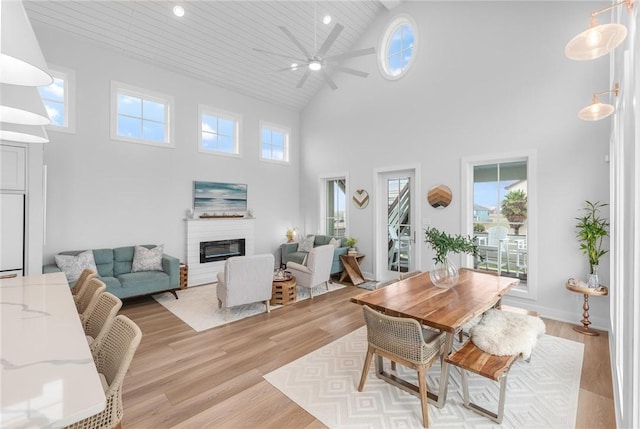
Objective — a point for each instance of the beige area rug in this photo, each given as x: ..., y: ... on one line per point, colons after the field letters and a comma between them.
x: 540, y: 394
x: 198, y: 305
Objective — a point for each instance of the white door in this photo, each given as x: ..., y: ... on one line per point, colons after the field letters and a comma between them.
x: 12, y: 233
x: 396, y: 225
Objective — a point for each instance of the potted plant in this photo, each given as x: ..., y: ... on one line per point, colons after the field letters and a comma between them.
x: 514, y: 208
x: 591, y: 230
x: 445, y: 273
x: 351, y: 242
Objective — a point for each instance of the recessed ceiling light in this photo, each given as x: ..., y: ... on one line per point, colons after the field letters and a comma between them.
x: 326, y: 20
x: 178, y: 11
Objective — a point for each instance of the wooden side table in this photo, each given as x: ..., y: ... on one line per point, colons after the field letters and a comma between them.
x: 352, y: 268
x: 184, y: 275
x: 283, y: 292
x: 586, y: 291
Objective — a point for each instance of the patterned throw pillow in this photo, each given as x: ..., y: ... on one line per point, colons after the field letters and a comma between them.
x: 147, y: 259
x: 306, y: 244
x: 335, y: 242
x: 74, y: 265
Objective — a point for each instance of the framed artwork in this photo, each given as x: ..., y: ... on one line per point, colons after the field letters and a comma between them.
x: 216, y: 197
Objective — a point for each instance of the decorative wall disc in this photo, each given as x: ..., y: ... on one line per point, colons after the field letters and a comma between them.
x: 361, y: 198
x: 439, y: 196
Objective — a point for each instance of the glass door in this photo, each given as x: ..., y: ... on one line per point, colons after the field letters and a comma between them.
x: 398, y: 223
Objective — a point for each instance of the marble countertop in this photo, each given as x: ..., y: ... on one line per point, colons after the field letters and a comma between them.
x: 47, y: 374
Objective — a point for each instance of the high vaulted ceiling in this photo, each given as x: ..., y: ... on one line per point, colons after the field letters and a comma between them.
x: 214, y: 40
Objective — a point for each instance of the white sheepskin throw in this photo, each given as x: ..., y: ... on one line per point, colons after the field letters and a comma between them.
x: 504, y: 333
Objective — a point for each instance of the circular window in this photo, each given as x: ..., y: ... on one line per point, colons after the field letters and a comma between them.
x: 398, y: 47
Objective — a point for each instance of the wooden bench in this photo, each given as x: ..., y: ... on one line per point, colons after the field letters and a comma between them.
x: 470, y: 358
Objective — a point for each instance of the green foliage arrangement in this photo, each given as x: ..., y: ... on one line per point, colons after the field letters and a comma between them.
x: 351, y: 241
x: 514, y: 208
x: 443, y: 243
x: 591, y: 230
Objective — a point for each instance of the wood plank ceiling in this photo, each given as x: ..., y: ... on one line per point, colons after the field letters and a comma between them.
x: 214, y: 40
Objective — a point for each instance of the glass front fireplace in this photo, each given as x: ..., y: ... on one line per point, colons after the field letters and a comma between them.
x: 211, y: 251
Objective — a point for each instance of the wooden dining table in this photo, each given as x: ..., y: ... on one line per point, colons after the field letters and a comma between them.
x: 47, y: 375
x: 443, y: 309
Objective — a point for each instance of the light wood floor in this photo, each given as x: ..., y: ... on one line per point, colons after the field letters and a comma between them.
x: 213, y: 379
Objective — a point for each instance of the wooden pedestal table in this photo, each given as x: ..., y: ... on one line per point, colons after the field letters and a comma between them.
x: 352, y: 268
x: 283, y: 292
x: 586, y: 291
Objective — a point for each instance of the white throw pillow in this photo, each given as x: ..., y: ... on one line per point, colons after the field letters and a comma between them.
x: 74, y: 265
x: 147, y: 259
x: 306, y: 244
x: 335, y: 242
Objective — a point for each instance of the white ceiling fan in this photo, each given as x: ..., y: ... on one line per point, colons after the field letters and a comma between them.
x: 318, y: 63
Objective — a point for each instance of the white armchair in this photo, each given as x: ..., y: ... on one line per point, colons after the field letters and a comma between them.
x: 316, y: 270
x: 246, y: 279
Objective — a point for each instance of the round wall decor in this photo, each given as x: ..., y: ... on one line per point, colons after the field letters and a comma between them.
x: 439, y: 196
x: 360, y: 198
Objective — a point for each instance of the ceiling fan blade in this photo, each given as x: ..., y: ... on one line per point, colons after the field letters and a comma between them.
x: 279, y: 55
x: 329, y: 81
x: 295, y: 41
x: 290, y: 68
x: 304, y: 79
x: 337, y: 29
x: 352, y: 54
x: 349, y: 70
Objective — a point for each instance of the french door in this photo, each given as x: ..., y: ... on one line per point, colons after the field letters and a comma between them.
x: 396, y: 224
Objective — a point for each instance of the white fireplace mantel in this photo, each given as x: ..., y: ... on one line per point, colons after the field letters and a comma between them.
x: 199, y: 230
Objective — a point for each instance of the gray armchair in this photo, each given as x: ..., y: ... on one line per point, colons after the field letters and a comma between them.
x: 246, y: 279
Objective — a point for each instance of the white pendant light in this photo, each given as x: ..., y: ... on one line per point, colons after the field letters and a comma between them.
x: 21, y: 60
x: 597, y: 110
x: 22, y: 105
x: 598, y: 39
x: 23, y: 133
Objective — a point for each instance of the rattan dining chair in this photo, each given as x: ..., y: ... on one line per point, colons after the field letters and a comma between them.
x: 86, y: 275
x: 112, y: 355
x: 88, y: 296
x: 97, y: 320
x: 402, y: 340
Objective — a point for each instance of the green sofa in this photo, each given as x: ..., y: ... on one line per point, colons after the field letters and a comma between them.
x: 114, y: 269
x: 290, y: 252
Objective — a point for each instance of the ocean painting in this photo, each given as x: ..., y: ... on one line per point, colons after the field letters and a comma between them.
x: 214, y: 197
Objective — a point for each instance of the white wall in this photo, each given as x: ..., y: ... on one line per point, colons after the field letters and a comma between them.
x: 489, y: 77
x: 106, y: 193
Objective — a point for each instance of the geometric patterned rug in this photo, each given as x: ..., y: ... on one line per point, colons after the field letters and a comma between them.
x: 198, y: 305
x: 540, y: 394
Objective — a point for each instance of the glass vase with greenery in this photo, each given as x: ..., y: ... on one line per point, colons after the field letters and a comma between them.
x: 592, y: 229
x: 444, y: 272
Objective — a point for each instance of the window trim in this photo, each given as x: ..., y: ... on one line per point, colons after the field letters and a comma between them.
x: 69, y: 78
x: 204, y: 109
x: 395, y: 23
x: 323, y: 200
x: 466, y: 167
x: 287, y: 142
x: 146, y: 94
